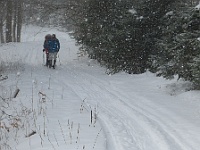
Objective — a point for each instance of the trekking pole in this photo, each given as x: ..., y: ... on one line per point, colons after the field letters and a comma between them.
x: 59, y: 59
x: 43, y: 59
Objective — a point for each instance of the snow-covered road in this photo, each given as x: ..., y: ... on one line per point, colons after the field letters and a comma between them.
x: 136, y: 115
x: 135, y: 112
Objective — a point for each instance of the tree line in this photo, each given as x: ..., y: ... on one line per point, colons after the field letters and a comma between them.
x: 16, y: 13
x: 161, y: 36
x: 10, y: 20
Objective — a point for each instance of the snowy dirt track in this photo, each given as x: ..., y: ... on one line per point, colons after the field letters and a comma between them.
x: 132, y: 120
x: 134, y: 112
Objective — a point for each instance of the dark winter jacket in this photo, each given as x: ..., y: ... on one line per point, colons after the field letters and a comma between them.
x: 47, y: 42
x: 54, y: 45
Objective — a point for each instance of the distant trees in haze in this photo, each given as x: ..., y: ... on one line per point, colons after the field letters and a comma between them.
x: 11, y: 20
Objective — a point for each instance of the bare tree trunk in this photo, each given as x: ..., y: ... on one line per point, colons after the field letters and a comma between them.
x: 9, y: 21
x: 2, y: 19
x: 1, y: 31
x: 19, y: 19
x: 14, y: 20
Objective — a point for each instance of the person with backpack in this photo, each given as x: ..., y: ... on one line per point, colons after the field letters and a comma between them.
x: 46, y: 46
x: 53, y: 50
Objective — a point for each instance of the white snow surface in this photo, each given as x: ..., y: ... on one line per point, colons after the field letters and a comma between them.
x: 129, y: 112
x: 198, y: 6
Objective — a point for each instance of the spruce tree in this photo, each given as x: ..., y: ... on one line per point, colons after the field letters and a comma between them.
x: 121, y: 34
x: 179, y: 50
x: 107, y: 33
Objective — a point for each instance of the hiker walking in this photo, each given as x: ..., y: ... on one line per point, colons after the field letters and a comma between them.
x: 53, y: 50
x: 47, y: 43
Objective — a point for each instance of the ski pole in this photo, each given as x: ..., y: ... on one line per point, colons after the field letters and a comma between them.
x: 43, y: 59
x: 59, y: 59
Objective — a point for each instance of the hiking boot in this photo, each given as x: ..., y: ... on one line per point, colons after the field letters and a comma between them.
x: 54, y: 64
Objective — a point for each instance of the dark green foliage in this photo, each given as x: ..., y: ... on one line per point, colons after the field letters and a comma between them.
x: 107, y: 31
x: 180, y: 46
x: 118, y: 37
x: 160, y: 35
x: 195, y: 71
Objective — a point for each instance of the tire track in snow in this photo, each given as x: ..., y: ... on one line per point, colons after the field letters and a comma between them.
x: 60, y: 108
x: 111, y: 114
x: 124, y: 122
x: 131, y: 127
x: 125, y: 118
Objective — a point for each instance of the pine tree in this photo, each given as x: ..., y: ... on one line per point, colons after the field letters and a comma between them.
x: 106, y: 33
x: 195, y: 70
x: 111, y: 33
x: 179, y: 49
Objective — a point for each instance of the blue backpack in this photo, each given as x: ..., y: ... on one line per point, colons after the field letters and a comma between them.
x: 55, y: 45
